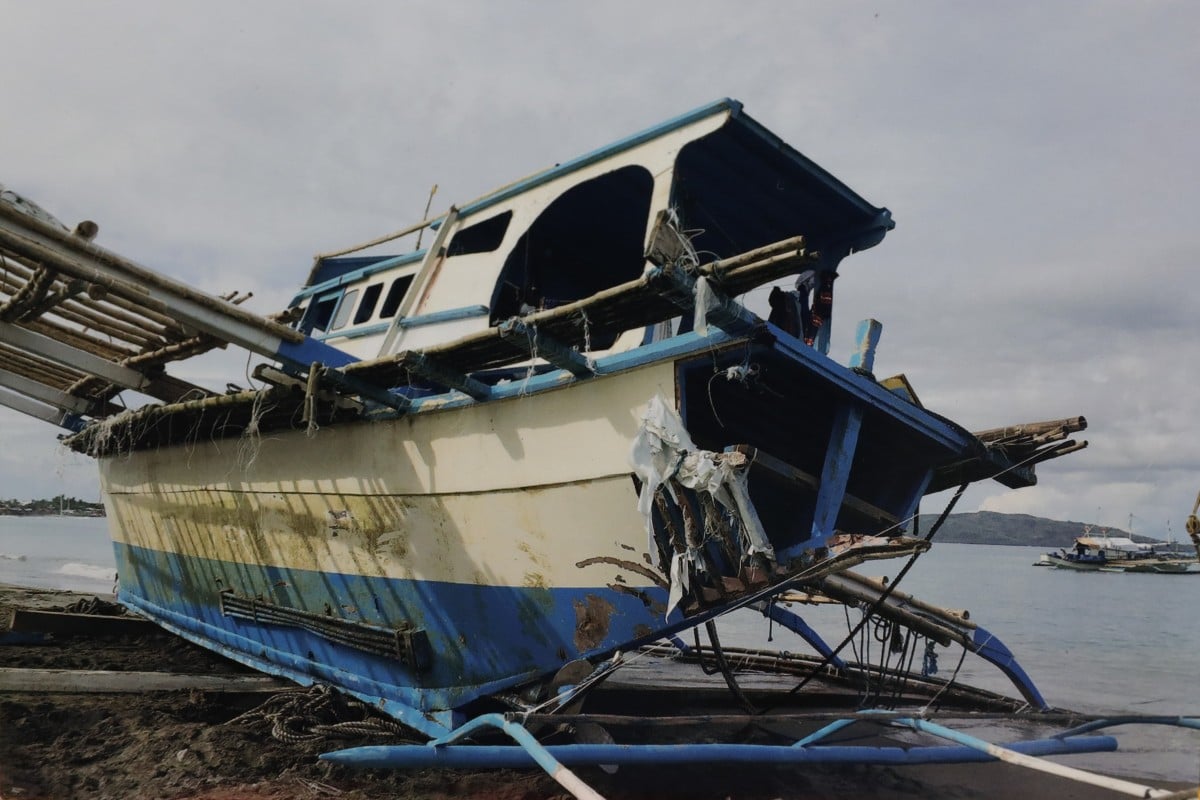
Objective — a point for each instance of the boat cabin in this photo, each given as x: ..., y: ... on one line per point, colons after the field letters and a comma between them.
x: 724, y: 183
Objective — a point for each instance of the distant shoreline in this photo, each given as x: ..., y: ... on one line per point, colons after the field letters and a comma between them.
x: 68, y: 514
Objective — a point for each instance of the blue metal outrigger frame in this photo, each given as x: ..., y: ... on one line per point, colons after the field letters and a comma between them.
x: 445, y: 753
x: 449, y: 752
x: 980, y: 641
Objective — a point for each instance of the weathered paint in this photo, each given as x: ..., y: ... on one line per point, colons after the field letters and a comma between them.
x: 866, y: 339
x: 483, y: 638
x: 506, y: 566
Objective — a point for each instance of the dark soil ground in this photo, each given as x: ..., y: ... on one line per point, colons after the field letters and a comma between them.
x: 184, y: 744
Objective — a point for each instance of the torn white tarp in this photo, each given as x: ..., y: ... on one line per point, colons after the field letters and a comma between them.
x: 663, y: 450
x: 706, y: 301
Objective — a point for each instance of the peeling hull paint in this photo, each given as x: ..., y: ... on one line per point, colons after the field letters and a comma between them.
x: 593, y: 616
x: 482, y: 639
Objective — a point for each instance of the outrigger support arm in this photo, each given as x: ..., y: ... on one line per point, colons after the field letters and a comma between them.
x: 144, y: 297
x: 441, y: 754
x: 933, y: 623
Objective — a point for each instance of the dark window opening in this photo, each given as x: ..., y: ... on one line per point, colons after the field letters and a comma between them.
x: 367, y: 307
x: 391, y: 303
x: 482, y: 237
x: 320, y: 312
x: 343, y: 312
x: 589, y: 239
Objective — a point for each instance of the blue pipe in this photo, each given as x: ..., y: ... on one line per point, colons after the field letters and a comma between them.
x: 528, y: 744
x: 825, y: 732
x: 1095, y: 725
x: 508, y: 756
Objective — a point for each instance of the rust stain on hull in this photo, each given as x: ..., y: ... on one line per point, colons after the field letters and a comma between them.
x: 592, y: 617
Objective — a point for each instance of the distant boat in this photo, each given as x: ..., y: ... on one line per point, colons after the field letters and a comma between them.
x: 1104, y: 553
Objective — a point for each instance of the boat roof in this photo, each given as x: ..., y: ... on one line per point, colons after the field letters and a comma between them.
x: 1110, y: 542
x: 742, y: 150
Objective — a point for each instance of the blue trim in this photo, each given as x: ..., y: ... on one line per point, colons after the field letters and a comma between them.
x: 912, y: 505
x: 835, y: 476
x: 389, y: 262
x: 937, y: 429
x: 283, y: 665
x: 449, y: 315
x: 796, y: 624
x: 726, y: 106
x: 987, y: 646
x: 72, y: 422
x: 866, y: 340
x: 355, y: 332
x: 665, y: 350
x: 484, y: 638
x: 301, y: 355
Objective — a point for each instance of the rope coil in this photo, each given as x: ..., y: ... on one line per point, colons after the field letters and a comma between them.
x: 309, y: 715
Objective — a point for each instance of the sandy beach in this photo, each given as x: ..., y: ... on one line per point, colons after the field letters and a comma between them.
x: 183, y: 744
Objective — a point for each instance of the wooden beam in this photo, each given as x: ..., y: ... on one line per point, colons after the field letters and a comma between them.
x: 73, y: 357
x: 528, y: 339
x: 38, y: 410
x: 29, y: 620
x: 43, y: 393
x: 75, y: 681
x: 784, y: 471
x: 429, y: 369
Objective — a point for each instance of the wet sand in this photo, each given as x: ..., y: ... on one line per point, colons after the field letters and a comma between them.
x: 181, y: 744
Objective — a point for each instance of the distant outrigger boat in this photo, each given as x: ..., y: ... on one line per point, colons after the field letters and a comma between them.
x: 482, y: 469
x: 1104, y: 553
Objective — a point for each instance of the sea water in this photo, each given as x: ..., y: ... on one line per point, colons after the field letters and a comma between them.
x: 1093, y: 642
x: 57, y: 552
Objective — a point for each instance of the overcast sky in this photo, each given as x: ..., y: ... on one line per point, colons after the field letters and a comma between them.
x: 1040, y: 160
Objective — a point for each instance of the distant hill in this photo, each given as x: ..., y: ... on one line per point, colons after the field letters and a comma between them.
x: 989, y: 527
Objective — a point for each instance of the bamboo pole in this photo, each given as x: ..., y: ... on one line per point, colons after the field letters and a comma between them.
x: 1033, y: 429
x: 76, y: 681
x: 131, y: 312
x: 71, y: 255
x: 114, y: 328
x: 28, y: 295
x: 21, y: 362
x: 791, y: 246
x: 79, y: 340
x: 961, y: 618
x: 387, y: 237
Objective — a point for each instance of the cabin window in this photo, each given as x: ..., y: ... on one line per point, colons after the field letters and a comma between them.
x: 482, y: 237
x: 319, y: 314
x: 590, y: 238
x: 391, y: 303
x: 344, y: 309
x: 367, y: 307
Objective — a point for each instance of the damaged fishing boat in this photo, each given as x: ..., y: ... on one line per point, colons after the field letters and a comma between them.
x: 477, y: 471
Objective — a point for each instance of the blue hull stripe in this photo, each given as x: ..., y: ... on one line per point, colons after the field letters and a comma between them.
x: 483, y: 638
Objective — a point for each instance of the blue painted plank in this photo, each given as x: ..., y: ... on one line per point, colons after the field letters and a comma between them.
x: 835, y: 474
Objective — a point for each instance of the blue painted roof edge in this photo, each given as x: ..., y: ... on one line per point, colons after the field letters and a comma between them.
x: 865, y: 238
x: 868, y: 236
x: 384, y: 263
x: 724, y: 106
